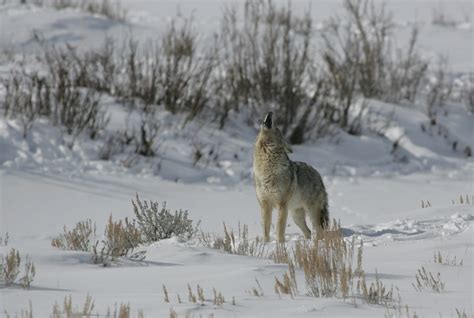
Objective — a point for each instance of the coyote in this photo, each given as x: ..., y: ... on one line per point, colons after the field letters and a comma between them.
x: 286, y: 185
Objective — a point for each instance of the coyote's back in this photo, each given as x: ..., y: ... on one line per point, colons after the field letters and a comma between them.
x: 286, y: 185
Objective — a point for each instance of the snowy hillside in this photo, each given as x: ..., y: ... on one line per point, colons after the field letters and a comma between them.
x: 401, y: 182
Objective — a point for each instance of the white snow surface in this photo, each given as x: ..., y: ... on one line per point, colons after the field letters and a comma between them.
x: 374, y: 190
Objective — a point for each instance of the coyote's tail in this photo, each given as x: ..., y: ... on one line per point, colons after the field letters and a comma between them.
x: 324, y: 215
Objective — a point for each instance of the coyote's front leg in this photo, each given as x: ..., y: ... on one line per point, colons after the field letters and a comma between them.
x: 266, y: 210
x: 281, y: 223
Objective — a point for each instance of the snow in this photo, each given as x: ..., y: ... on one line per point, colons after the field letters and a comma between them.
x: 374, y: 190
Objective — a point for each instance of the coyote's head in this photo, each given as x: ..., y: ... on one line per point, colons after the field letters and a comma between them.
x: 270, y: 136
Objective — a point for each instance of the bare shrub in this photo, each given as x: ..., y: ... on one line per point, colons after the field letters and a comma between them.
x: 267, y: 62
x: 80, y: 238
x: 27, y: 97
x: 157, y: 223
x: 426, y: 281
x: 184, y: 75
x: 467, y: 94
x: 10, y: 269
x: 149, y: 128
x: 439, y: 91
x: 55, y: 96
x: 73, y: 107
x: 363, y: 50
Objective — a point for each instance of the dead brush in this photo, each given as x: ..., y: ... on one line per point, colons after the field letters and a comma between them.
x: 427, y: 281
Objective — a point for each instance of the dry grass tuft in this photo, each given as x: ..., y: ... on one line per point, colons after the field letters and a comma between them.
x: 461, y: 314
x: 438, y: 258
x: 191, y: 296
x: 10, y: 269
x: 288, y: 285
x: 256, y: 291
x: 376, y: 293
x: 464, y: 200
x: 4, y: 239
x: 165, y: 292
x: 426, y: 280
x: 239, y: 244
x: 327, y: 263
x: 80, y: 238
x: 219, y: 299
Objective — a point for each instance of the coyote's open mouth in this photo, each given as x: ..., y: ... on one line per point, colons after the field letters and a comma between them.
x: 267, y: 122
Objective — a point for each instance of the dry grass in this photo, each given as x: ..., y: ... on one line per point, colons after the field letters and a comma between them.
x: 80, y: 238
x: 426, y: 204
x: 376, y: 293
x: 68, y: 310
x: 4, y: 239
x: 231, y: 243
x: 120, y: 239
x: 288, y: 284
x: 427, y: 281
x: 464, y: 199
x: 256, y: 291
x: 219, y: 299
x: 329, y: 263
x: 461, y: 313
x: 10, y: 269
x: 438, y: 258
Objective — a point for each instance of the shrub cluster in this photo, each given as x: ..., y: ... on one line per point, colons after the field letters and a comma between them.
x: 122, y: 237
x: 264, y: 57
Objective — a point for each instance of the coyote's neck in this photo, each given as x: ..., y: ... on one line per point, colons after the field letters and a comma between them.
x: 270, y: 159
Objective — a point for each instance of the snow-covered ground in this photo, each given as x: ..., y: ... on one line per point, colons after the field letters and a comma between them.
x: 375, y: 191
